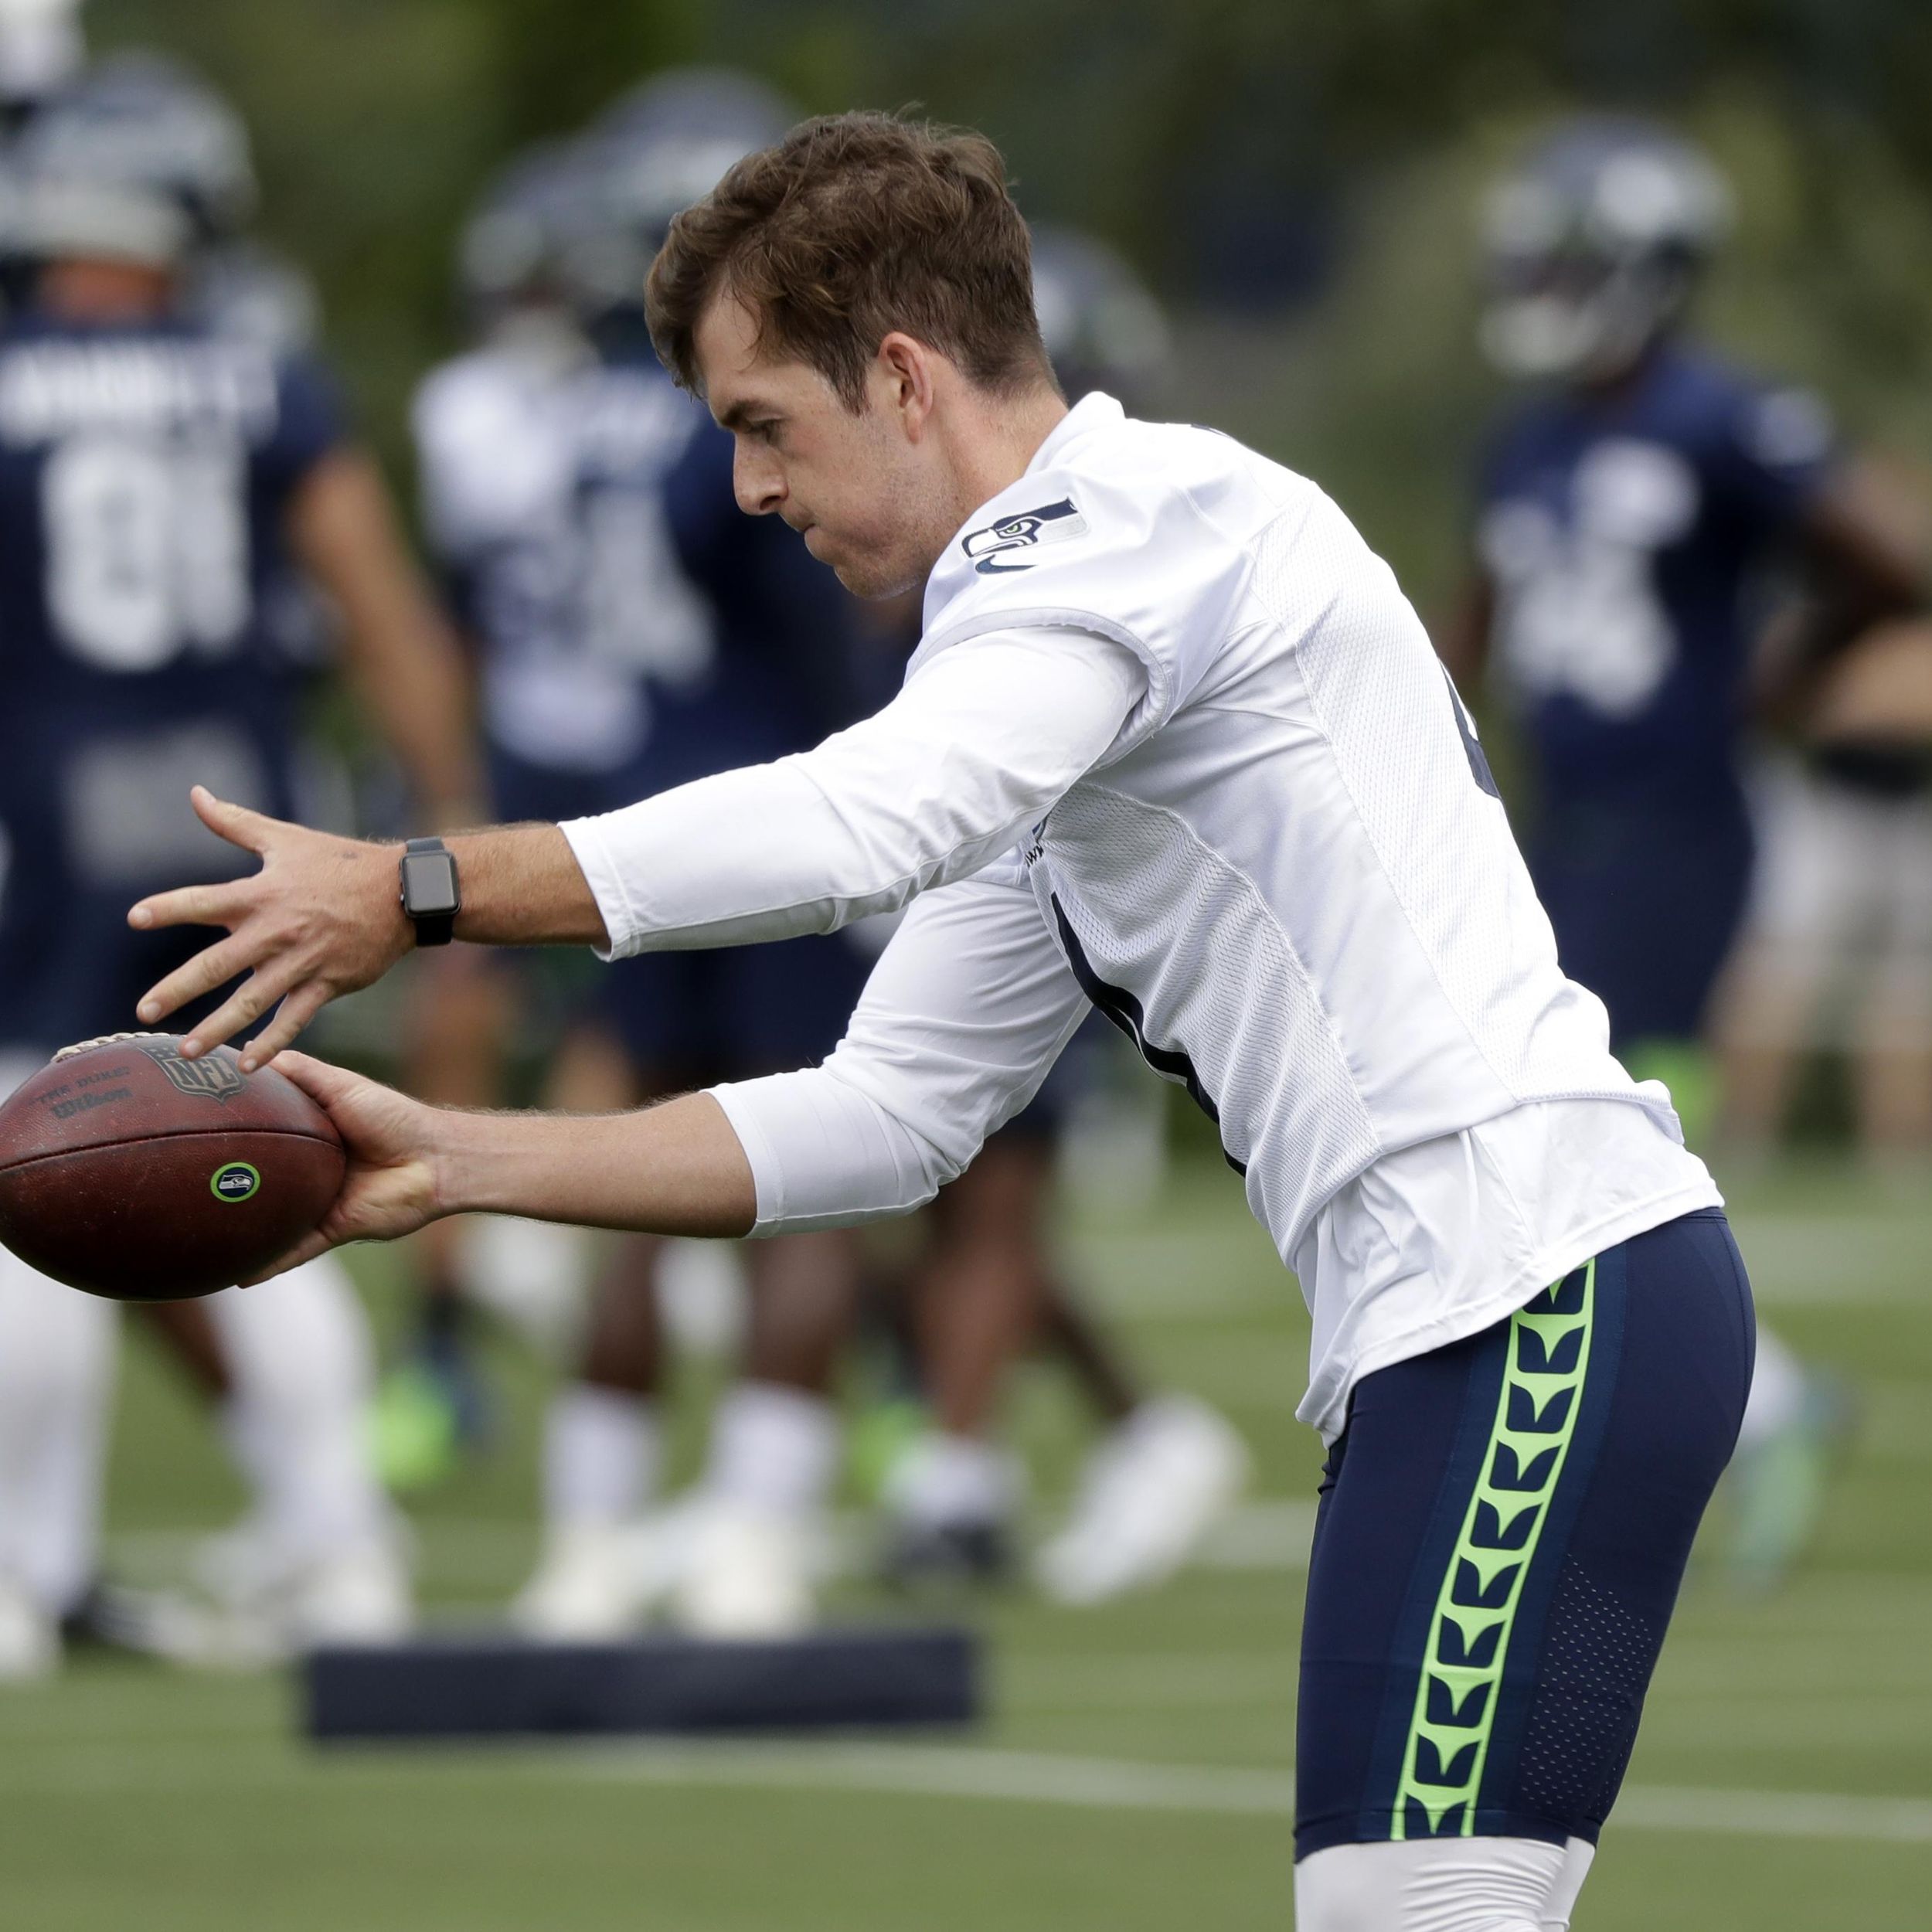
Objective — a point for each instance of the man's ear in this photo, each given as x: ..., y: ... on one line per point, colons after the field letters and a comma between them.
x: 905, y: 370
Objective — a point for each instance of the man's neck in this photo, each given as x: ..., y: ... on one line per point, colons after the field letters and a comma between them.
x: 1001, y: 439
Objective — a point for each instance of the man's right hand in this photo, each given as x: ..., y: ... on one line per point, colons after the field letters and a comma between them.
x: 395, y: 1180
x: 322, y: 917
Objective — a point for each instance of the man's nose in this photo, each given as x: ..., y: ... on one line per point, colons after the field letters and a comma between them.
x: 756, y: 482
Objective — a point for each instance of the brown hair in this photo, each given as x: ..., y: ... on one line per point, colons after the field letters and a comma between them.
x: 855, y: 225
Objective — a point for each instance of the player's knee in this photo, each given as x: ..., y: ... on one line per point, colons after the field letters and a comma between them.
x: 1434, y: 1885
x: 50, y: 1337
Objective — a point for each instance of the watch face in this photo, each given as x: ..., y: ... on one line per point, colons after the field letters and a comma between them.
x: 429, y: 885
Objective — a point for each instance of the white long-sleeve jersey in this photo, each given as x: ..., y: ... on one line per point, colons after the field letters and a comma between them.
x: 1175, y: 745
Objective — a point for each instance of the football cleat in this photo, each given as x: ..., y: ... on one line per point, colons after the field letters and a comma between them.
x: 1779, y: 1486
x: 591, y: 1585
x: 746, y: 1573
x: 264, y: 1606
x: 939, y: 1558
x: 1150, y: 1490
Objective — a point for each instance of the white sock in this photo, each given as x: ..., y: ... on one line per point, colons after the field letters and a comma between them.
x: 601, y: 1451
x: 953, y: 1479
x: 1441, y: 1885
x: 773, y: 1448
x: 58, y: 1348
x: 1776, y: 1395
x: 300, y: 1352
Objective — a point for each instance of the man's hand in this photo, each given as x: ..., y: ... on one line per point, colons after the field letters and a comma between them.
x: 322, y: 917
x: 395, y: 1181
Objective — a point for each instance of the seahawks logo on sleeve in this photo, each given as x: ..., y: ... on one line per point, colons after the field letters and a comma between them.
x: 1025, y: 530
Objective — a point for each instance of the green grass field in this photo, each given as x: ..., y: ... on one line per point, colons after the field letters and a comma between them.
x: 1135, y: 1774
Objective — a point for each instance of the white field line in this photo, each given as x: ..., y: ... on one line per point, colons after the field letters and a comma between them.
x: 1827, y: 1814
x: 1038, y: 1777
x: 1093, y: 1784
x: 1122, y: 1784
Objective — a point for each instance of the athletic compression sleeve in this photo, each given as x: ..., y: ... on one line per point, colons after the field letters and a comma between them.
x: 968, y: 1007
x: 979, y: 745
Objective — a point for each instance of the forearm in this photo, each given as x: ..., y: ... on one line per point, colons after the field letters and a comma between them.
x: 418, y: 695
x: 403, y: 658
x: 522, y: 886
x: 677, y: 1168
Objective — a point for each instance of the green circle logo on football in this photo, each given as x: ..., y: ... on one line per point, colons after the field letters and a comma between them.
x: 237, y: 1182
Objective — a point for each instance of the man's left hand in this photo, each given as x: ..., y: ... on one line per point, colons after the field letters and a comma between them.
x: 322, y: 917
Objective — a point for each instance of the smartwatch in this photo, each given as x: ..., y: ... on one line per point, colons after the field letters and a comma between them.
x: 431, y: 897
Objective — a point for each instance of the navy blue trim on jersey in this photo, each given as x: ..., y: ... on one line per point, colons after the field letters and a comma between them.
x: 1503, y: 1528
x: 1466, y: 729
x: 1125, y: 1011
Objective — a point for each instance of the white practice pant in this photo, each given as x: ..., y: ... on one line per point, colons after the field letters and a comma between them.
x: 56, y: 1388
x: 1441, y: 1885
x: 303, y: 1367
x: 300, y: 1354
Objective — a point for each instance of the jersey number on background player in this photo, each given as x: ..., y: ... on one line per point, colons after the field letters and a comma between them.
x: 1582, y: 614
x: 641, y: 612
x: 147, y: 549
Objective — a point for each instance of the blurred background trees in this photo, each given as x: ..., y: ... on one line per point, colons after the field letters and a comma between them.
x: 1298, y: 178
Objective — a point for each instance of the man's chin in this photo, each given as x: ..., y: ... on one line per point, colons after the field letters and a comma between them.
x: 865, y: 575
x: 872, y: 580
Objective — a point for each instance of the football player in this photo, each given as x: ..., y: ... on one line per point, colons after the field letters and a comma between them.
x: 1173, y: 745
x: 160, y: 481
x: 633, y: 631
x: 1631, y: 510
x: 494, y: 431
x: 1837, y: 948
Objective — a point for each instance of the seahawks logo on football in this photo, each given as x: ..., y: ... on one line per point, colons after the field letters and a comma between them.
x: 1027, y: 530
x: 237, y: 1182
x: 215, y: 1075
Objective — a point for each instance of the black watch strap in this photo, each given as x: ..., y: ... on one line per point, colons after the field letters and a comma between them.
x: 431, y: 894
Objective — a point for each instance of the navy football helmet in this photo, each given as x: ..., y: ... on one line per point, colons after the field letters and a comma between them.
x: 1101, y: 325
x: 663, y: 146
x: 1594, y: 244
x: 531, y: 243
x: 139, y: 158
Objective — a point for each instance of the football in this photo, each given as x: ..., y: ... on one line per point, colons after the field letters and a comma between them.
x: 132, y: 1172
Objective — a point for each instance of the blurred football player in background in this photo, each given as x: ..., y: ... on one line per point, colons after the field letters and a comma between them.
x: 987, y: 1293
x: 584, y: 672
x: 494, y: 441
x: 162, y: 479
x: 1837, y: 947
x: 635, y: 632
x: 1631, y: 512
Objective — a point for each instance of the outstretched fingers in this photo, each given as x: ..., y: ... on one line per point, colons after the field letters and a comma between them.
x: 249, y: 1002
x: 195, y: 906
x: 252, y: 831
x: 214, y: 966
x: 298, y: 1009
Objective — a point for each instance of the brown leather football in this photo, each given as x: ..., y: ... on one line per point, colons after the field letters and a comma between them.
x: 129, y: 1171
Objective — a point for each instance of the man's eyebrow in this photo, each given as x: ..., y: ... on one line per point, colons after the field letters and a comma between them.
x: 735, y: 417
